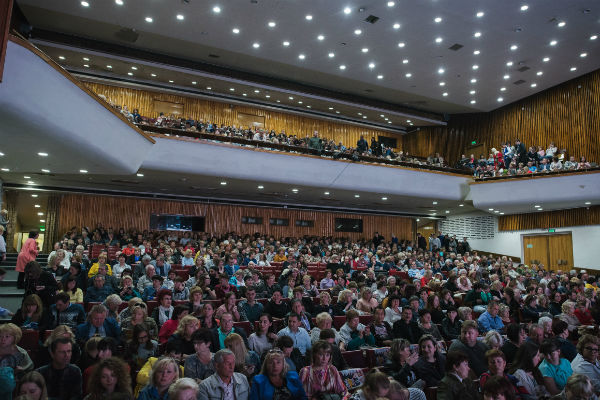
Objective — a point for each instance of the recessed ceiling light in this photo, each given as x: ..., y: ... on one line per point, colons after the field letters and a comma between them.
x: 331, y: 108
x: 216, y: 9
x: 524, y: 7
x: 119, y: 2
x: 171, y: 81
x: 232, y: 89
x: 256, y: 91
x: 473, y: 101
x: 408, y: 75
x: 45, y: 170
x: 357, y: 195
x: 61, y: 57
x: 291, y: 98
x: 438, y: 40
x: 42, y: 154
x: 371, y: 65
x: 537, y: 206
x: 384, y: 198
x: 441, y: 71
x: 475, y: 66
x: 409, y: 121
x: 109, y: 66
x: 553, y: 43
x: 472, y: 92
x: 42, y: 220
x: 308, y: 17
x: 357, y: 31
x: 561, y: 24
x: 295, y: 190
x: 379, y: 76
x: 347, y: 10
x: 442, y: 83
x: 268, y: 96
x: 477, y: 34
x: 539, y: 73
x: 359, y: 113
x: 326, y: 193
x: 180, y: 17
x: 140, y: 174
x: 480, y: 14
x: 86, y: 65
x: 331, y: 55
x: 396, y: 26
x: 583, y: 55
x: 546, y: 59
x: 301, y: 56
x: 149, y: 19
x: 40, y: 213
x: 401, y: 44
x: 509, y: 64
x: 1, y: 154
x: 337, y: 112
x: 5, y: 169
x: 244, y: 94
x: 261, y: 187
x: 208, y: 88
x: 364, y: 50
x: 500, y: 99
x: 514, y: 47
x: 445, y: 94
x: 153, y: 75
x: 501, y: 213
x: 342, y: 67
x: 364, y: 116
x: 506, y: 77
x: 286, y: 43
x: 497, y: 211
x: 299, y: 102
x: 235, y: 30
x: 86, y: 59
x: 223, y: 183
x: 391, y: 4
x: 593, y: 37
x: 405, y: 61
x: 573, y: 69
x: 476, y: 52
x: 438, y: 19
x: 503, y: 89
x: 321, y: 37
x: 37, y: 206
x: 533, y: 84
x: 83, y: 171
x: 27, y: 177
x: 434, y: 203
x: 30, y: 182
x: 587, y: 203
x: 540, y: 209
x: 461, y: 205
x: 473, y: 80
x: 272, y: 24
x: 85, y: 4
x: 490, y: 209
x: 256, y: 45
x: 194, y: 82
x: 130, y: 73
x: 447, y: 212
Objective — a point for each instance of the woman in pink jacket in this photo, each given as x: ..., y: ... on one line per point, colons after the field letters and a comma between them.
x: 29, y: 252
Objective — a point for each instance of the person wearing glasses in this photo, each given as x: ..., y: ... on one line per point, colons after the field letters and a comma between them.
x: 276, y: 380
x: 554, y: 369
x: 587, y: 361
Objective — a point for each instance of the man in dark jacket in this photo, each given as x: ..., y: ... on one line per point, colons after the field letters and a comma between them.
x: 64, y: 379
x: 405, y: 328
x: 473, y: 348
x: 362, y: 145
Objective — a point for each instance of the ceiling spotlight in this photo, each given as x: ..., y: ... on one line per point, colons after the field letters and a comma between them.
x: 533, y: 84
x: 308, y: 17
x: 509, y: 64
x: 37, y: 206
x: 27, y: 177
x: 149, y: 19
x: 514, y: 47
x: 371, y: 65
x: 490, y: 209
x: 401, y: 44
x: 408, y: 75
x: 286, y: 43
x: 583, y: 55
x: 364, y: 50
x: 208, y: 88
x: 357, y: 195
x: 331, y: 55
x: 476, y: 52
x: 539, y: 73
x: 153, y: 75
x: 357, y: 31
x: 472, y: 92
x: 86, y: 59
x: 261, y: 187
x: 379, y: 76
x: 593, y: 37
x: 130, y: 73
x: 272, y: 24
x: 553, y: 43
x: 561, y: 24
x: 299, y: 102
x: 5, y: 169
x: 42, y: 154
x: 461, y: 205
x: 268, y: 96
x: 47, y: 171
x: 473, y: 80
x: 109, y: 66
x: 396, y: 26
x: 587, y: 203
x: 441, y: 71
x: 34, y: 195
x: 180, y: 17
x: 524, y: 7
x: 119, y: 2
x: 235, y: 30
x: 391, y: 4
x: 537, y: 206
x: 540, y: 209
x: 438, y: 40
x: 301, y: 56
x: 505, y: 77
x: 291, y: 98
x: 83, y: 171
x: 232, y: 89
x: 438, y: 19
x: 223, y: 183
x: 40, y: 213
x: 321, y: 37
x: 475, y: 66
x: 480, y: 14
x: 347, y: 10
x: 384, y: 198
x: 445, y: 94
x: 256, y: 91
x: 573, y: 69
x: 140, y: 174
x: 503, y: 89
x: 447, y: 212
x: 216, y: 9
x: 295, y: 190
x: 500, y: 99
x: 473, y: 101
x: 86, y: 65
x: 61, y: 57
x: 171, y: 81
x: 256, y: 45
x: 342, y: 67
x: 85, y: 4
x: 546, y: 59
x: 405, y: 61
x: 442, y: 83
x: 477, y: 34
x: 244, y: 94
x: 434, y: 203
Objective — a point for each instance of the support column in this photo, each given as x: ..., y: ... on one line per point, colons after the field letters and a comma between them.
x: 52, y: 218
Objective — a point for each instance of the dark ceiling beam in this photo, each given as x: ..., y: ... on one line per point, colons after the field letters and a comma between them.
x: 124, y: 51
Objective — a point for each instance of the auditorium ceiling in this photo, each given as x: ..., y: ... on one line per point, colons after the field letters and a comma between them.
x: 433, y: 56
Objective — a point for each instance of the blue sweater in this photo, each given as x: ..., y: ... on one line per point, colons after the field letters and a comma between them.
x: 263, y: 390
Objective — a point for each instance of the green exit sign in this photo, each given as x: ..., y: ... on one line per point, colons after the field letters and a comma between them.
x: 474, y: 142
x: 551, y: 230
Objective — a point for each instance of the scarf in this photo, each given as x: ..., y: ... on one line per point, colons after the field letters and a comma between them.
x: 164, y: 314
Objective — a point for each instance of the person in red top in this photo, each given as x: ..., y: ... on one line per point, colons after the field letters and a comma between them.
x: 129, y: 250
x: 224, y: 287
x: 28, y: 253
x: 583, y: 313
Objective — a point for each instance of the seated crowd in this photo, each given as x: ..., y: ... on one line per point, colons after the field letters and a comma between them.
x: 442, y: 322
x: 516, y: 160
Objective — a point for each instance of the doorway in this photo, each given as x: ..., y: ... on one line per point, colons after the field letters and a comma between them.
x: 554, y: 251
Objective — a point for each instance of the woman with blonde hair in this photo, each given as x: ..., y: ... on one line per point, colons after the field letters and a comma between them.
x: 247, y: 361
x: 31, y: 315
x: 138, y: 317
x: 165, y: 372
x: 131, y: 303
x: 568, y: 315
x: 110, y: 376
x: 183, y: 389
x: 183, y: 335
x: 32, y: 385
x: 344, y: 304
x: 323, y: 321
x: 367, y: 302
x: 275, y: 378
x: 188, y: 259
x: 12, y: 355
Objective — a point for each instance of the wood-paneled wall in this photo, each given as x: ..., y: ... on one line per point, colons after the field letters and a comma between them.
x: 568, y: 115
x: 223, y: 113
x: 550, y: 219
x: 116, y: 212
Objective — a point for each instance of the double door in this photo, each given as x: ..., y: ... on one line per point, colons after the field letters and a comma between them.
x: 555, y: 251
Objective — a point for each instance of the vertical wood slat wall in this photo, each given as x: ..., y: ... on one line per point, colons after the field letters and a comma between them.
x: 222, y: 113
x: 117, y: 212
x: 568, y: 115
x: 550, y: 219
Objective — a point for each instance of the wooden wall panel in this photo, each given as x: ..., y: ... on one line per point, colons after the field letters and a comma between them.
x: 116, y: 212
x: 568, y: 115
x: 224, y: 113
x: 550, y: 219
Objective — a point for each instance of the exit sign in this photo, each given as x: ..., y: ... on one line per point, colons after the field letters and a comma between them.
x: 551, y: 230
x: 474, y: 142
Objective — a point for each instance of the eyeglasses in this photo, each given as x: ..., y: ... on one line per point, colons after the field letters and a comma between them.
x: 142, y: 337
x: 275, y: 350
x: 592, y: 349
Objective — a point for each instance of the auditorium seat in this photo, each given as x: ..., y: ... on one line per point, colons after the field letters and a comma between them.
x: 214, y: 303
x: 431, y: 393
x: 355, y: 358
x: 183, y: 273
x: 30, y: 340
x: 123, y: 306
x: 377, y: 357
x: 339, y: 321
x: 151, y: 305
x: 88, y: 306
x: 245, y: 325
x: 366, y: 319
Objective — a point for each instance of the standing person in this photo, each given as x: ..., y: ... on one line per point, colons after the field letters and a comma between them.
x: 2, y: 245
x: 224, y: 383
x: 39, y: 282
x: 28, y: 253
x: 276, y: 380
x: 165, y: 371
x: 65, y: 382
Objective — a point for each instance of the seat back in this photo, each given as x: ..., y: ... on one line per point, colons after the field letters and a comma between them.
x: 355, y: 358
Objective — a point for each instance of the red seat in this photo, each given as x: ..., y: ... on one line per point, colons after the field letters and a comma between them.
x: 151, y: 305
x: 355, y: 359
x: 123, y: 306
x: 47, y: 334
x: 339, y: 321
x: 177, y: 266
x: 88, y: 306
x: 245, y: 325
x: 30, y: 340
x: 180, y: 302
x: 214, y: 303
x: 365, y: 319
x: 263, y: 301
x: 183, y: 273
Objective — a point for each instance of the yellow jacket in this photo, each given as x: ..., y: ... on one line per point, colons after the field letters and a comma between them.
x: 94, y: 270
x: 143, y: 377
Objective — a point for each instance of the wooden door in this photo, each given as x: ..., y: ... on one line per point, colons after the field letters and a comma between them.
x: 560, y: 251
x: 535, y: 249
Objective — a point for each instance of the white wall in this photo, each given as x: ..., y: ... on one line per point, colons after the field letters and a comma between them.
x: 585, y: 240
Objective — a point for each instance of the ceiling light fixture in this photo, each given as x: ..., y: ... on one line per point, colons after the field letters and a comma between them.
x: 503, y: 89
x: 537, y: 206
x: 216, y: 9
x: 153, y: 75
x: 379, y: 76
x: 593, y: 37
x: 83, y: 171
x: 384, y: 198
x: 109, y: 66
x: 326, y: 193
x: 546, y: 59
x: 524, y: 7
x: 86, y: 65
x: 475, y: 66
x: 291, y: 98
x: 477, y: 34
x: 5, y: 169
x: 235, y: 30
x: 272, y: 24
x: 286, y: 43
x: 473, y: 101
x: 86, y: 59
x: 408, y: 75
x: 476, y: 52
x: 439, y: 40
x: 534, y: 84
x: 261, y: 187
x: 347, y: 10
x: 434, y: 203
x: 47, y: 171
x: 509, y: 64
x: 500, y: 99
x: 473, y: 80
x: 583, y: 55
x: 357, y: 195
x: 61, y: 57
x: 364, y: 50
x: 42, y: 154
x: 180, y: 17
x: 342, y: 67
x: 321, y: 37
x: 208, y: 88
x: 445, y: 94
x: 539, y: 73
x: 85, y: 4
x: 405, y: 61
x: 149, y: 19
x: 295, y: 190
x: 140, y: 174
x: 308, y: 17
x: 194, y: 82
x: 573, y: 69
x: 442, y: 83
x: 480, y: 14
x: 42, y: 220
x: 37, y: 206
x: 401, y: 44
x: 331, y: 55
x: 438, y: 20
x: 553, y: 43
x: 34, y: 195
x: 561, y: 24
x: 256, y: 45
x: 371, y: 65
x: 40, y: 213
x: 441, y: 71
x: 514, y: 47
x: 472, y: 92
x: 391, y: 4
x: 396, y: 26
x: 301, y: 56
x: 505, y: 77
x: 223, y: 183
x: 171, y: 81
x: 119, y: 2
x: 357, y: 31
x: 130, y: 73
x: 256, y: 91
